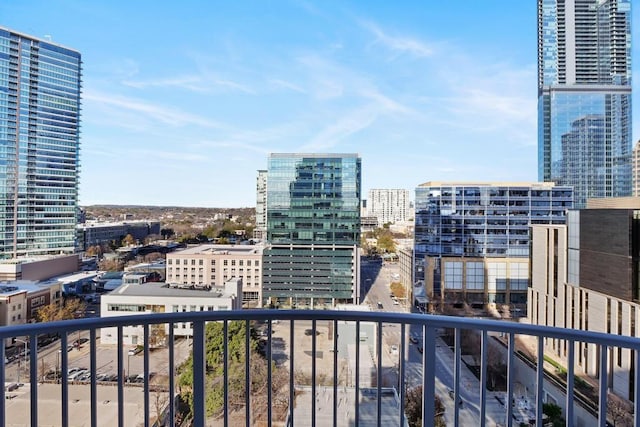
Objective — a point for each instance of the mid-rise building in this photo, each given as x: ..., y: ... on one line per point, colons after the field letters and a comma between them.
x: 100, y: 233
x: 472, y: 239
x: 635, y: 181
x: 261, y: 206
x: 584, y: 96
x: 313, y: 230
x: 39, y: 268
x: 211, y: 265
x: 388, y: 205
x: 585, y: 275
x: 132, y: 299
x: 39, y: 145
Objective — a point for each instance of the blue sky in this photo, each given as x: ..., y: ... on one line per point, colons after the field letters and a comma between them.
x: 183, y: 101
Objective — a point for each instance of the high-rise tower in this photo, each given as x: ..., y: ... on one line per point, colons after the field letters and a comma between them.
x: 584, y: 96
x: 313, y: 230
x: 39, y: 145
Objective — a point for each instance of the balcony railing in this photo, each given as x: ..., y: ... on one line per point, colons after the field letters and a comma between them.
x: 392, y: 369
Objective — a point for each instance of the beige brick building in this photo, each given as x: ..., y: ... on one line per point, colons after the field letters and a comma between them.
x: 212, y: 265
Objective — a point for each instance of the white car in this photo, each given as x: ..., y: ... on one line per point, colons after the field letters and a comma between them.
x: 394, y: 349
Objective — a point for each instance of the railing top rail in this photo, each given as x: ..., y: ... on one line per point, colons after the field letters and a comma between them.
x: 435, y: 321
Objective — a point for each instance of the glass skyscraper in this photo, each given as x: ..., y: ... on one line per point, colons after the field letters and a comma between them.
x: 313, y: 229
x: 584, y: 96
x: 39, y: 145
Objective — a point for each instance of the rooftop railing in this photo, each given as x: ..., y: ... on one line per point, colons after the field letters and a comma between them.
x: 375, y: 369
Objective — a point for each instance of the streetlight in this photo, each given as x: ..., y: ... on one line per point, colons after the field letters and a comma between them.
x: 25, y: 356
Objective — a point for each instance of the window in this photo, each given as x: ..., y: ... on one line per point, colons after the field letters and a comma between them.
x: 193, y: 262
x: 233, y: 262
x: 241, y: 263
x: 225, y: 262
x: 519, y: 276
x: 496, y: 276
x: 201, y: 262
x: 453, y: 275
x: 475, y: 275
x: 170, y: 261
x: 257, y: 263
x: 248, y: 263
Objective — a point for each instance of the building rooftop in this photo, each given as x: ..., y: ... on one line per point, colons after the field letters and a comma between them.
x: 488, y: 184
x: 210, y: 249
x: 161, y: 289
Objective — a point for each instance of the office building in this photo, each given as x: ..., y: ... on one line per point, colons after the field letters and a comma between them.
x: 261, y: 205
x: 103, y: 233
x: 472, y: 239
x: 313, y: 230
x: 212, y: 265
x: 584, y: 275
x: 584, y: 96
x: 388, y: 205
x: 160, y: 297
x: 39, y: 145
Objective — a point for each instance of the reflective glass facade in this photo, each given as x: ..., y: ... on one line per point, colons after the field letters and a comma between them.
x: 584, y: 96
x: 313, y: 229
x: 39, y: 145
x: 482, y: 221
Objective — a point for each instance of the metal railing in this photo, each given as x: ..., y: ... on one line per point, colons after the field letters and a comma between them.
x: 429, y: 328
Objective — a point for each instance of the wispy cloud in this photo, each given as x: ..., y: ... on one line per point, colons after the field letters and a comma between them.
x: 398, y: 44
x: 351, y: 123
x: 172, y: 155
x: 203, y: 83
x: 286, y: 85
x: 149, y: 110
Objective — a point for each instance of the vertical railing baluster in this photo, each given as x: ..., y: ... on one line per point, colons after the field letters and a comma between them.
x: 539, y: 380
x: 603, y: 384
x: 570, y: 383
x: 172, y: 372
x: 33, y: 377
x: 2, y: 382
x: 64, y: 384
x: 636, y: 388
x: 147, y: 406
x: 483, y: 378
x: 247, y: 376
x: 357, y: 376
x: 269, y: 373
x: 121, y: 375
x: 199, y: 372
x: 510, y: 368
x: 379, y: 375
x: 456, y: 377
x: 401, y: 368
x: 335, y: 372
x: 292, y: 395
x: 93, y: 369
x: 313, y: 373
x: 225, y: 373
x: 428, y: 375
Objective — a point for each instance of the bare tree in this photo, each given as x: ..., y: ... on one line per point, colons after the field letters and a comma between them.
x: 160, y: 399
x: 619, y: 411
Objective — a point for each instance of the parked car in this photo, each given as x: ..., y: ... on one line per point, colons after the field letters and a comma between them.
x: 413, y: 340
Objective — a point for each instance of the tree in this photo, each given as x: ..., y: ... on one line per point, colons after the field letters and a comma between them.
x: 413, y: 408
x: 160, y: 400
x: 128, y: 240
x: 554, y: 414
x: 93, y: 251
x: 67, y: 310
x: 167, y: 233
x: 214, y: 354
x: 157, y: 336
